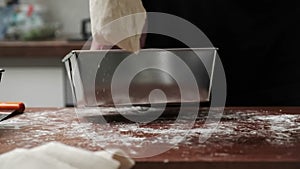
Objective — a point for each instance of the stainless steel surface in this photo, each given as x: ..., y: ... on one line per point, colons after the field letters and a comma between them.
x: 1, y: 71
x: 91, y: 74
x: 4, y: 115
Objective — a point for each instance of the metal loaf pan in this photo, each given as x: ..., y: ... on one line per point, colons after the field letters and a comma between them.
x: 1, y: 71
x: 91, y: 74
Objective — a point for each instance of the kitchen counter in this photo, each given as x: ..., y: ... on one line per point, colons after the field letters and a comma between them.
x: 38, y: 65
x: 57, y: 48
x: 245, y: 138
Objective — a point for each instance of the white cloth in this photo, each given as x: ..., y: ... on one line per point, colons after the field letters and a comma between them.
x: 118, y: 22
x: 59, y: 156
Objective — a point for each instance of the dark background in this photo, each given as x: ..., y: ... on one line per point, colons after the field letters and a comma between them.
x: 258, y: 45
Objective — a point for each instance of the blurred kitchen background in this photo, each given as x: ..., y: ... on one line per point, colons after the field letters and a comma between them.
x: 34, y: 36
x: 67, y: 14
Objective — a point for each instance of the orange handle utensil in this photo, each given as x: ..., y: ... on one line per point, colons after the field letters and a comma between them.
x: 16, y: 106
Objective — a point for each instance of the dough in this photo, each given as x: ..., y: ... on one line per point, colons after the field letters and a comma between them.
x: 109, y: 29
x: 59, y: 156
x: 120, y: 156
x: 76, y: 157
x: 26, y: 160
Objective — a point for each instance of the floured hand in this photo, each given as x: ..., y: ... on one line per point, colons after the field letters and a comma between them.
x: 118, y: 22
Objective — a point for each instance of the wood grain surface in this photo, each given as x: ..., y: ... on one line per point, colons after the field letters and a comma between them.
x: 57, y: 48
x: 244, y: 137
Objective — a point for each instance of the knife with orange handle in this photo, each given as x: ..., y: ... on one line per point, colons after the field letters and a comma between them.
x: 9, y: 109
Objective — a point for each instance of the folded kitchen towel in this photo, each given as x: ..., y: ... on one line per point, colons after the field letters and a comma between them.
x: 118, y: 22
x: 59, y: 156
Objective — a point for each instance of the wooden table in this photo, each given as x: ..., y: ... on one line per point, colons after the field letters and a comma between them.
x: 55, y: 48
x: 245, y: 138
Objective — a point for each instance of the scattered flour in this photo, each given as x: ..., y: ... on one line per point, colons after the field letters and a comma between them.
x: 235, y: 128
